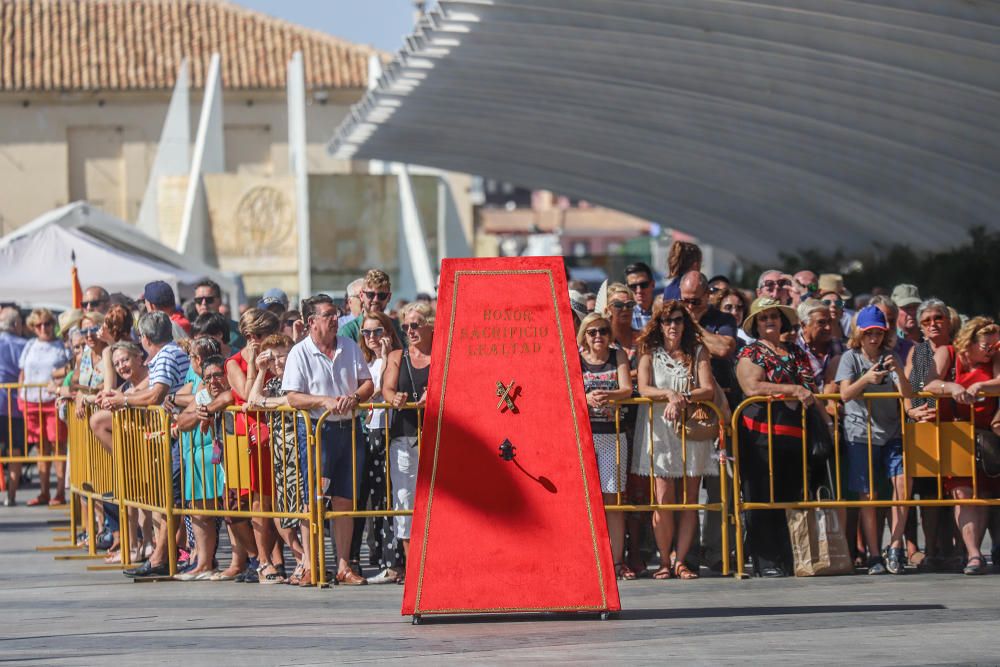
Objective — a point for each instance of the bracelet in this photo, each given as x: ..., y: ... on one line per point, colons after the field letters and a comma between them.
x: 125, y: 398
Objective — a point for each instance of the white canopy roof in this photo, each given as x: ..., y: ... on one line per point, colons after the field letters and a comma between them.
x: 756, y: 126
x: 35, y: 259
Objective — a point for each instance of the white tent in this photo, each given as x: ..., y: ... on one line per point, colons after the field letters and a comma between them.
x: 35, y: 259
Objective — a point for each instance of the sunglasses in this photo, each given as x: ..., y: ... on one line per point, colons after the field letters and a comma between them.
x: 645, y: 284
x: 622, y: 305
x: 212, y: 377
x: 731, y: 307
x: 927, y: 321
x: 290, y: 323
x: 90, y: 330
x: 691, y: 302
x: 373, y: 296
x: 411, y: 327
x: 597, y: 331
x: 772, y: 284
x: 676, y: 319
x: 713, y: 290
x: 839, y: 303
x: 46, y: 323
x: 202, y: 300
x: 373, y: 333
x: 87, y: 305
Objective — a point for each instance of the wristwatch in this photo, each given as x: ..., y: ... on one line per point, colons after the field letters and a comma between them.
x: 357, y: 399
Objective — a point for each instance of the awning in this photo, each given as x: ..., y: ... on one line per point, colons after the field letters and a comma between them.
x: 755, y: 126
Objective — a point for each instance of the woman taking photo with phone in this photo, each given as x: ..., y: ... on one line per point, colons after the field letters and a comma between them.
x: 870, y: 366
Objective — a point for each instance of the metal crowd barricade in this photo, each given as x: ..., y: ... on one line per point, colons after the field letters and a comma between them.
x: 250, y: 464
x: 622, y: 458
x: 92, y: 475
x: 325, y: 512
x: 15, y: 446
x: 143, y: 471
x: 938, y: 449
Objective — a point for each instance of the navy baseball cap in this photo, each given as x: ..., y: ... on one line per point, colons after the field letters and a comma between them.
x: 159, y: 293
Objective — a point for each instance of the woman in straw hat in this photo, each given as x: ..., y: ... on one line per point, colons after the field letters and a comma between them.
x: 771, y: 367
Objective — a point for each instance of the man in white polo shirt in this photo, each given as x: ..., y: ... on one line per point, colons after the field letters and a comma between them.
x: 326, y: 373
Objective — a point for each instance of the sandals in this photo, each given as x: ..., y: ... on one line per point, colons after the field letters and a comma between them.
x: 623, y: 571
x: 978, y: 568
x: 682, y: 571
x: 663, y: 574
x: 296, y: 578
x: 273, y: 578
x: 306, y: 579
x: 38, y: 500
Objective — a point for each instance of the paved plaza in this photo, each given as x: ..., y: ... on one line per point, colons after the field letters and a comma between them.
x: 55, y: 612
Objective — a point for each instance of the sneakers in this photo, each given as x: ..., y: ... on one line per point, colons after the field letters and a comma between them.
x: 896, y: 561
x: 148, y: 571
x: 386, y: 576
x: 876, y: 566
x: 249, y: 575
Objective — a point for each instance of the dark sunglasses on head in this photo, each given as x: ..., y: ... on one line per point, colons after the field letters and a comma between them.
x: 370, y: 333
x: 676, y: 319
x: 87, y: 305
x: 691, y: 302
x: 381, y: 296
x: 409, y: 327
x: 598, y: 331
x: 622, y: 305
x: 643, y: 284
x: 771, y: 284
x: 201, y: 300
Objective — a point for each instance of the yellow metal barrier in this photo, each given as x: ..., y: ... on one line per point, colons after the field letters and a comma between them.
x: 92, y: 476
x: 326, y: 512
x: 251, y: 464
x: 722, y: 506
x: 935, y: 449
x: 23, y: 427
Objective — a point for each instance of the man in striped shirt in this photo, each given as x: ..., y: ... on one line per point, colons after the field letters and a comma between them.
x: 168, y: 365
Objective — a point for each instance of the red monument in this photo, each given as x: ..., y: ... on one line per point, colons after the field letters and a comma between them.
x: 508, y: 514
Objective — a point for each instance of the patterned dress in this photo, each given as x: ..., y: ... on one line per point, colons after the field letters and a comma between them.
x: 669, y: 458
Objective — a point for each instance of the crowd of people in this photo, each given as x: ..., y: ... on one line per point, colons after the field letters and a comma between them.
x: 701, y: 340
x: 793, y: 337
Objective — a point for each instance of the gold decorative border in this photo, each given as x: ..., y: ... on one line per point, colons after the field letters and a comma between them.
x: 579, y: 449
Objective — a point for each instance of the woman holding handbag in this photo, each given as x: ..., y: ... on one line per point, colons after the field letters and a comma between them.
x: 675, y: 369
x: 606, y: 379
x: 771, y: 367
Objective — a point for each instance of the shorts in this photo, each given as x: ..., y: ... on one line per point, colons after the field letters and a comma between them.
x: 336, y: 452
x: 11, y: 436
x: 37, y: 415
x: 887, y: 462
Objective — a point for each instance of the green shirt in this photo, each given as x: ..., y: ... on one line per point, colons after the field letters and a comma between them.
x: 352, y: 330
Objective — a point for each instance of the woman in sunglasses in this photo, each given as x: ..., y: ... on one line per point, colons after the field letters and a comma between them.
x: 619, y: 312
x: 673, y: 369
x: 964, y: 376
x: 606, y: 379
x: 378, y: 341
x: 89, y: 376
x: 405, y: 381
x: 934, y: 319
x: 40, y: 357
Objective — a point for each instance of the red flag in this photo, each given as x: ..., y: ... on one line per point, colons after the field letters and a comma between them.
x: 77, y: 290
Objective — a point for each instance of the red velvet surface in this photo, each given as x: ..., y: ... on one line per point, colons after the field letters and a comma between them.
x: 504, y: 536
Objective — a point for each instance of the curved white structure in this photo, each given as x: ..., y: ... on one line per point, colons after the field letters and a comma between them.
x: 756, y: 126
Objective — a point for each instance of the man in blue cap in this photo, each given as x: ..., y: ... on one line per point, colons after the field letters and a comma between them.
x: 159, y: 296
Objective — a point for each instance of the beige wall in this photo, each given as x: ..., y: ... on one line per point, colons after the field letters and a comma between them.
x: 54, y: 148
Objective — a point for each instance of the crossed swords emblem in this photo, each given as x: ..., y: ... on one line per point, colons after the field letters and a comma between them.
x: 506, y: 394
